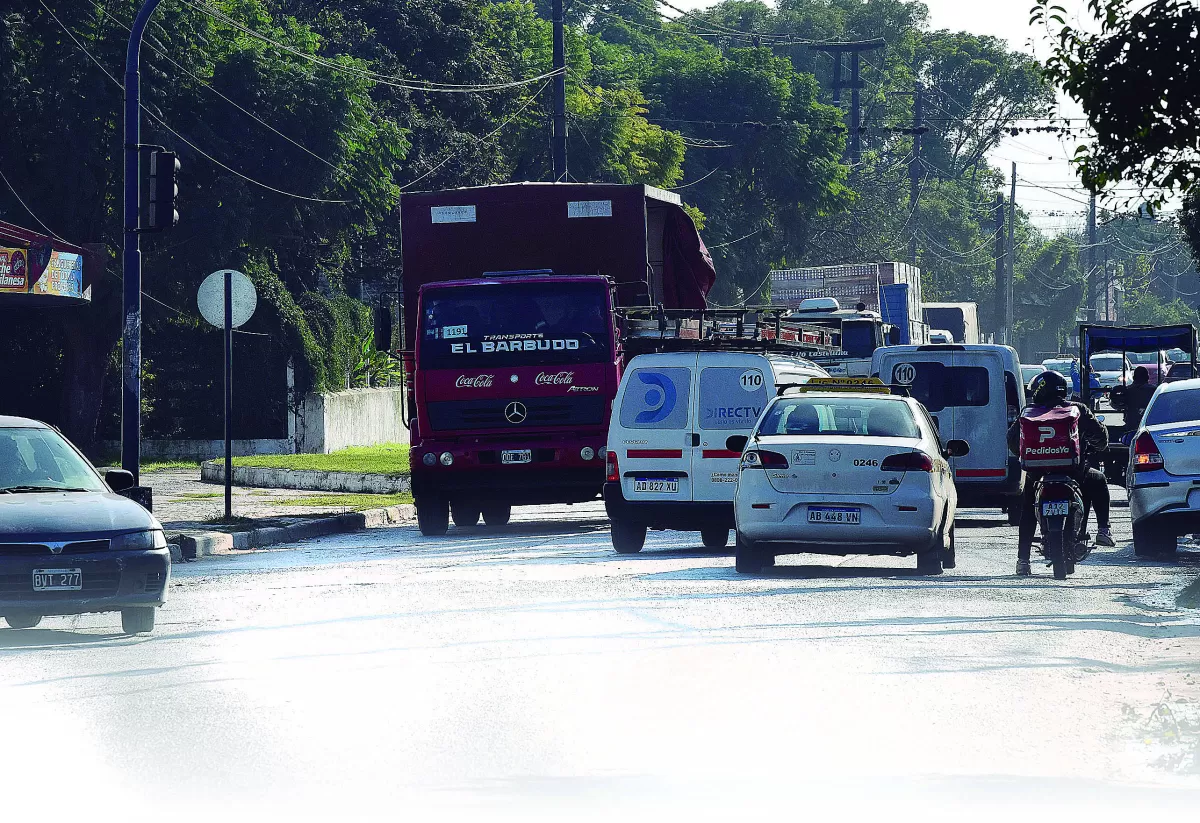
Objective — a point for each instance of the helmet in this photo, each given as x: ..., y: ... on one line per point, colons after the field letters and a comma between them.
x: 1049, y: 388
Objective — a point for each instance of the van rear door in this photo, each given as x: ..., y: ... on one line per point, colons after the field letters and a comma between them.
x: 732, y: 391
x: 651, y: 429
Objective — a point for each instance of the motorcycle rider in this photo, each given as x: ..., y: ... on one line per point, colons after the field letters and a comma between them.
x: 1051, y: 389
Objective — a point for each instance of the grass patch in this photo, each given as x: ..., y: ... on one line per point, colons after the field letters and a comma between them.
x: 163, y: 465
x: 200, y: 495
x: 390, y: 459
x: 349, y: 502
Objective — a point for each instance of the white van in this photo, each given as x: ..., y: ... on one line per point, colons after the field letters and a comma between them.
x: 669, y: 465
x: 973, y: 393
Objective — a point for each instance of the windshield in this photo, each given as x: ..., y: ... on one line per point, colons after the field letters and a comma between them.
x: 851, y: 416
x: 1174, y: 407
x: 514, y: 324
x: 1030, y: 372
x: 858, y: 338
x: 40, y: 459
x: 1107, y: 362
x: 1060, y: 366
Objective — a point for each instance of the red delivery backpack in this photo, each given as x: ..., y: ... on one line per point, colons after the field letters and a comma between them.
x: 1049, y: 438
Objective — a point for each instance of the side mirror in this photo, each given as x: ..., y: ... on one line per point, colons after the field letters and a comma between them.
x: 737, y: 443
x: 957, y: 448
x: 119, y: 480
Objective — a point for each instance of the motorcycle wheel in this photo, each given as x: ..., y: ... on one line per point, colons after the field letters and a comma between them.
x: 1056, y: 551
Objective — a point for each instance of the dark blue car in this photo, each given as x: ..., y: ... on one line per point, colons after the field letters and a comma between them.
x: 69, y: 544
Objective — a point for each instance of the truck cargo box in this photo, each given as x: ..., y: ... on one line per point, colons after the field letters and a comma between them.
x: 638, y: 236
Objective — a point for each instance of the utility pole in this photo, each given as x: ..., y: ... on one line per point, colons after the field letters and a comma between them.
x: 559, y: 136
x: 1010, y: 331
x: 1090, y: 280
x: 855, y: 50
x: 1001, y: 311
x: 131, y: 254
x: 914, y: 170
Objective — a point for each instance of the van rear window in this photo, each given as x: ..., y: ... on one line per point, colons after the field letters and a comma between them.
x: 657, y: 399
x: 731, y: 398
x: 939, y: 386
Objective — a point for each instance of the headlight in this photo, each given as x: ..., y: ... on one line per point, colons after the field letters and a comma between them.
x: 447, y: 459
x: 138, y: 541
x: 587, y: 452
x: 429, y: 459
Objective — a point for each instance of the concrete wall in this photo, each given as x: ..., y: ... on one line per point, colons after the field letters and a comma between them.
x: 357, y: 417
x: 202, y: 449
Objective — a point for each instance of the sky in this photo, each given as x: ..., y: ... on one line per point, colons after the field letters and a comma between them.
x: 1048, y: 187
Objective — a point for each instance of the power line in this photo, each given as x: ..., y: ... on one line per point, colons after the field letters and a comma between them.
x: 49, y: 230
x: 694, y: 182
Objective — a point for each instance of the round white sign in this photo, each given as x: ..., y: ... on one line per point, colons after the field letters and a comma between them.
x: 211, y: 298
x: 752, y: 380
x: 904, y: 374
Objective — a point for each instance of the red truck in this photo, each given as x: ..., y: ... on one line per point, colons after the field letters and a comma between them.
x: 512, y: 346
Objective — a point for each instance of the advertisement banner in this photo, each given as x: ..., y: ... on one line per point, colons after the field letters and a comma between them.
x: 14, y: 270
x: 62, y: 277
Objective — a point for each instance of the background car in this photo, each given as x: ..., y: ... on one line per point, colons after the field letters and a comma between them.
x: 1030, y: 372
x: 1180, y: 371
x: 68, y: 543
x: 1163, y: 478
x: 846, y: 473
x: 1155, y: 363
x: 1111, y: 369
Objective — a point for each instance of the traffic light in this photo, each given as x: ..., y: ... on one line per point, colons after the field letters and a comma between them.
x: 162, y: 187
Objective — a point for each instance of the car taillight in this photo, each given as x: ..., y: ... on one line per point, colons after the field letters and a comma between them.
x: 907, y: 462
x: 614, y: 472
x: 1146, y: 456
x: 763, y: 459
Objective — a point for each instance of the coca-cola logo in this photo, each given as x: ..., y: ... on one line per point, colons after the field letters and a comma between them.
x: 562, y: 378
x: 479, y: 381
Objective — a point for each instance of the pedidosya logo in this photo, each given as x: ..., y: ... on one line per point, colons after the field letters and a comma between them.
x: 1048, y: 450
x: 14, y: 270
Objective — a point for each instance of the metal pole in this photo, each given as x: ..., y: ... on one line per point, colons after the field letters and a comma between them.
x: 559, y: 148
x: 1089, y: 302
x: 855, y: 112
x: 1012, y: 261
x: 1001, y: 291
x: 228, y: 395
x: 131, y: 332
x: 837, y: 78
x: 914, y: 172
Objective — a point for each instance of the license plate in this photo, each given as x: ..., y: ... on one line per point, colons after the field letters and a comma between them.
x: 516, y: 456
x: 666, y: 485
x: 57, y: 580
x: 1057, y: 508
x: 822, y: 514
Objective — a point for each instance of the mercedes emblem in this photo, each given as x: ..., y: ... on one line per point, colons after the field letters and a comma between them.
x: 834, y: 455
x: 515, y: 412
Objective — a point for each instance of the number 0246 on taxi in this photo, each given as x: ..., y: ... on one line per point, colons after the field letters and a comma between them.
x: 829, y: 514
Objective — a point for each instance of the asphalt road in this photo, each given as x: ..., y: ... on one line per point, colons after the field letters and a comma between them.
x: 532, y: 673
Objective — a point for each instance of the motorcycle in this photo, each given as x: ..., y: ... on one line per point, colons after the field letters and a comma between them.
x: 1058, y: 502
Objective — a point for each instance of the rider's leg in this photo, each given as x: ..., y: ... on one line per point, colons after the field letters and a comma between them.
x: 1028, y: 520
x: 1096, y: 488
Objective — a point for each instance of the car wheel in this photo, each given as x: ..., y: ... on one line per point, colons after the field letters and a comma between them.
x: 22, y: 621
x: 497, y: 515
x: 748, y: 559
x: 948, y: 561
x: 433, y: 515
x: 627, y: 537
x: 715, y: 537
x: 930, y: 560
x: 137, y: 621
x: 1150, y: 539
x: 466, y: 515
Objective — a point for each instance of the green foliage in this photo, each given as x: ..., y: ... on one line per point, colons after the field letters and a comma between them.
x: 374, y: 369
x: 1144, y: 307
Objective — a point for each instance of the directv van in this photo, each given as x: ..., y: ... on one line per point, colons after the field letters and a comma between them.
x: 973, y: 393
x: 669, y: 465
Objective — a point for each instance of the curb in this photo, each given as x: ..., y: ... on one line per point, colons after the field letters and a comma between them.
x: 213, y: 471
x: 197, y: 545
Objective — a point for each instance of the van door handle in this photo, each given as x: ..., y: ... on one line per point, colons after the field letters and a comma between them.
x: 695, y: 440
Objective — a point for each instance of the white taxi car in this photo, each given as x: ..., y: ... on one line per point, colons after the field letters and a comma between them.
x: 842, y: 466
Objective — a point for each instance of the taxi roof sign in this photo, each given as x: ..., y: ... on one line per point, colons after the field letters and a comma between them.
x: 872, y: 385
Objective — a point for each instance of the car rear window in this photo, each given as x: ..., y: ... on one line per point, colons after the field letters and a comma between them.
x: 657, y: 398
x: 1174, y: 407
x: 939, y: 386
x: 1107, y: 362
x: 850, y: 416
x: 731, y: 398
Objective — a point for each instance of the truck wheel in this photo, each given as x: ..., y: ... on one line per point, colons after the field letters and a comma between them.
x: 1150, y: 539
x: 715, y: 537
x: 627, y: 538
x: 137, y: 621
x: 22, y: 621
x: 496, y: 515
x: 433, y: 515
x: 747, y: 558
x: 466, y: 515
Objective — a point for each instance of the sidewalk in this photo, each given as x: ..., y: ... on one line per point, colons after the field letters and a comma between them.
x: 192, y: 513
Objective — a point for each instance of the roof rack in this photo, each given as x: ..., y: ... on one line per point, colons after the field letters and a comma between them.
x: 870, y: 385
x: 648, y: 329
